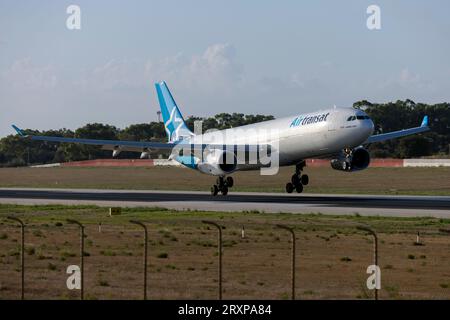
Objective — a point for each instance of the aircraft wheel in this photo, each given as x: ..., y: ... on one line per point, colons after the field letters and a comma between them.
x: 214, y: 190
x: 295, y: 179
x: 344, y: 166
x: 230, y: 182
x: 305, y: 179
x: 224, y: 190
x: 299, y: 188
x: 289, y: 187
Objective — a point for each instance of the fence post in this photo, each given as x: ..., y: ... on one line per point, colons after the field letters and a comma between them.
x: 145, y: 254
x: 219, y: 228
x: 22, y: 254
x: 292, y: 258
x: 375, y: 250
x: 81, y: 254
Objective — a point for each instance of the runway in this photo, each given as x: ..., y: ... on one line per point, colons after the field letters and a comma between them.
x: 238, y: 201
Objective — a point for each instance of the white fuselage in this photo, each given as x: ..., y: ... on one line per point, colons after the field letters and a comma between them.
x: 299, y: 137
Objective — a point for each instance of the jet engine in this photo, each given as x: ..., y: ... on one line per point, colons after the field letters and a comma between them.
x: 218, y: 162
x: 356, y: 159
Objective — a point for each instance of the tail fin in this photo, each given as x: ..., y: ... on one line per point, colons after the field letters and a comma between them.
x: 173, y: 120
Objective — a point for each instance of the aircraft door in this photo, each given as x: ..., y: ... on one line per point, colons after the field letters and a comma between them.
x: 332, y: 121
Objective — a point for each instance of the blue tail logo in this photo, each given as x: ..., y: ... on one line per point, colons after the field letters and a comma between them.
x: 173, y: 120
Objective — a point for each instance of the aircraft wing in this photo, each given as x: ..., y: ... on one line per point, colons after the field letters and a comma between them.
x: 401, y: 133
x: 139, y: 146
x: 106, y: 144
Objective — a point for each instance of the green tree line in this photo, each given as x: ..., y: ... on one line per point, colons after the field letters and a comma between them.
x: 399, y: 115
x: 16, y: 151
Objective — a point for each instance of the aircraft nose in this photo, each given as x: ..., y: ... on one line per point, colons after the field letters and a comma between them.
x: 368, y: 126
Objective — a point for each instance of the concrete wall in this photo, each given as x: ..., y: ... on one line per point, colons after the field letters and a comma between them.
x: 110, y: 163
x: 426, y: 163
x: 381, y: 163
x: 121, y: 163
x: 166, y: 162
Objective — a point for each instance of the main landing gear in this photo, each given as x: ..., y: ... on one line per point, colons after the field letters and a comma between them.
x: 298, y: 180
x: 222, y: 185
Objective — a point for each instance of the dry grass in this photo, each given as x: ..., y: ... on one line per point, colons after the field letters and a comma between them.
x: 331, y: 262
x: 426, y: 181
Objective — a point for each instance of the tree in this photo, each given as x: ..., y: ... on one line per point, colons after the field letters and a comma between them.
x: 144, y: 132
x: 391, y: 116
x: 76, y: 152
x: 404, y: 114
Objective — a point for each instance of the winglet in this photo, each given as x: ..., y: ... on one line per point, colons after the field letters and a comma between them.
x: 424, y: 122
x: 19, y: 131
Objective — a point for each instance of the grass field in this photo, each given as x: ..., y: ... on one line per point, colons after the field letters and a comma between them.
x: 332, y: 255
x: 421, y: 181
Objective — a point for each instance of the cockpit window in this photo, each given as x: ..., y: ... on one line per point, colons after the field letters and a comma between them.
x: 352, y: 118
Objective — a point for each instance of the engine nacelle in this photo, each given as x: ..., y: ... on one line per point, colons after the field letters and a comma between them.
x: 116, y: 152
x: 145, y: 155
x: 218, y: 162
x: 359, y: 159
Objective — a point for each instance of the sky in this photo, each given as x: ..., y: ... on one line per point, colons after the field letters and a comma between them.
x: 267, y: 57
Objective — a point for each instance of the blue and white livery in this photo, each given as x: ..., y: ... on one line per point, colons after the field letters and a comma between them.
x: 339, y: 134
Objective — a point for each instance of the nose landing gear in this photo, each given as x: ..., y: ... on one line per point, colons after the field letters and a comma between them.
x: 222, y: 185
x: 298, y: 180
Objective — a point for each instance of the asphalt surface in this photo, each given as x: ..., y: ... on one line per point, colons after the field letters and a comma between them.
x: 335, y: 201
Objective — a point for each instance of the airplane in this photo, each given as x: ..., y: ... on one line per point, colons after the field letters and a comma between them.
x: 340, y: 134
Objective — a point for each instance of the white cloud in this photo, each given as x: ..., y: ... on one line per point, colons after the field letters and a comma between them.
x: 218, y: 62
x: 401, y: 84
x: 296, y: 81
x: 112, y: 75
x: 215, y: 69
x: 43, y: 96
x: 24, y: 74
x: 407, y: 77
x: 203, y: 84
x: 326, y: 64
x: 25, y: 91
x: 407, y: 82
